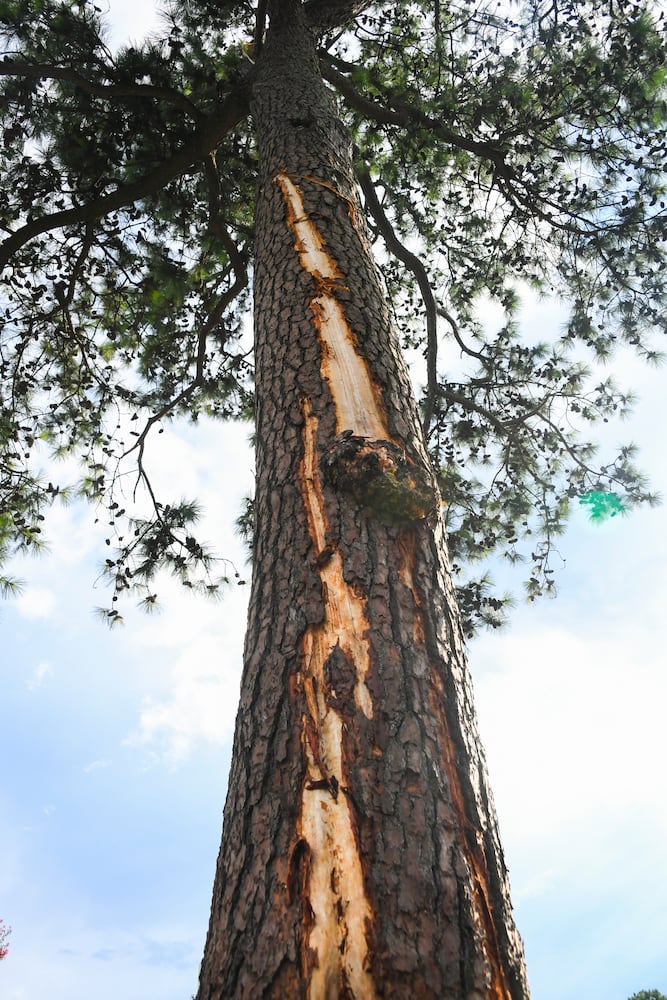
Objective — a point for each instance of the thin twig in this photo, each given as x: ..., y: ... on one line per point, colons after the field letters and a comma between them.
x: 457, y: 335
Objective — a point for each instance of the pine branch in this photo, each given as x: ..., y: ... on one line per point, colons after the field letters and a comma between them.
x: 452, y: 396
x: 403, y: 114
x: 460, y: 341
x: 240, y: 282
x: 48, y: 71
x: 234, y: 109
x: 400, y: 113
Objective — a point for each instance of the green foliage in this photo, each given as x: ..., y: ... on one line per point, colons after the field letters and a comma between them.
x: 164, y: 542
x: 512, y: 147
x: 116, y: 321
x: 648, y: 995
x: 526, y: 146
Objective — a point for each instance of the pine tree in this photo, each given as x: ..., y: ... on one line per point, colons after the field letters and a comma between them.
x: 270, y: 147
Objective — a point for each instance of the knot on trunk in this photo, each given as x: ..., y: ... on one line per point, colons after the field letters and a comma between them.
x: 381, y: 478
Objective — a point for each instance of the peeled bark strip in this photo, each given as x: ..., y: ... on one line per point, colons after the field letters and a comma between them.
x: 345, y: 623
x: 350, y: 382
x: 376, y: 471
x: 334, y: 885
x: 360, y: 856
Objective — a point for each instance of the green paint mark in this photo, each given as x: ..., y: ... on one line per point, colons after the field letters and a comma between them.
x: 602, y: 505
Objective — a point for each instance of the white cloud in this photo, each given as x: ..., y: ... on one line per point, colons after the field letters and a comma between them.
x: 574, y: 730
x: 131, y: 20
x: 191, y: 656
x: 96, y: 765
x: 577, y: 704
x: 201, y: 706
x: 72, y: 540
x: 36, y: 602
x: 111, y: 961
x: 42, y: 670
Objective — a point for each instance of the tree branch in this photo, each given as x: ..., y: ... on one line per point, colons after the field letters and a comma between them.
x: 216, y: 224
x: 402, y: 114
x: 413, y: 262
x: 205, y: 140
x: 459, y: 340
x: 217, y: 227
x: 47, y: 71
x: 225, y: 300
x: 327, y: 14
x: 471, y: 406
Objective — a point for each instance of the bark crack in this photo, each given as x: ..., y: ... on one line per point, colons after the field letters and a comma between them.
x: 480, y: 904
x: 341, y: 911
x: 355, y: 395
x: 365, y: 462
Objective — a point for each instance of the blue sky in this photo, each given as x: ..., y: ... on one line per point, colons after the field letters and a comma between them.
x: 115, y: 749
x: 116, y: 744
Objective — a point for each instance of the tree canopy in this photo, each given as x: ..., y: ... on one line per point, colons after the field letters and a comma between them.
x: 499, y: 148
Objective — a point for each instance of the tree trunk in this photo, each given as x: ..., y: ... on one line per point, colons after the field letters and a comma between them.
x: 360, y: 853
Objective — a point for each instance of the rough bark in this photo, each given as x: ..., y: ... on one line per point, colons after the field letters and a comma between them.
x: 360, y: 854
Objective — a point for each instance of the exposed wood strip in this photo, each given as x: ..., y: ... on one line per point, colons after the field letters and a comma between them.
x: 356, y: 398
x: 337, y: 899
x: 345, y: 621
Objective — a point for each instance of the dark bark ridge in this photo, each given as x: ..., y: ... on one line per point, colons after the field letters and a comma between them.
x: 360, y: 855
